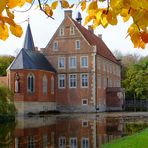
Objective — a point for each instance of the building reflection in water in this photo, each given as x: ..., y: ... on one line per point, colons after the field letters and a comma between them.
x: 74, y: 131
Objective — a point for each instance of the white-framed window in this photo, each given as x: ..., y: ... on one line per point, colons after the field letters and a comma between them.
x: 72, y: 30
x: 61, y: 31
x: 85, y: 143
x: 105, y: 82
x: 61, y: 81
x: 111, y: 68
x: 55, y: 45
x: 84, y: 101
x: 104, y: 65
x: 17, y: 142
x: 62, y: 142
x: 77, y: 44
x: 73, y: 143
x: 31, y: 142
x: 84, y: 61
x: 45, y: 141
x: 99, y: 64
x: 72, y: 81
x: 84, y: 123
x: 61, y: 62
x: 73, y: 62
x: 45, y: 84
x: 84, y: 80
x: 31, y: 83
x: 52, y: 85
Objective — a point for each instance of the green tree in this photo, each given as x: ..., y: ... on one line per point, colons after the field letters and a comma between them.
x: 6, y: 102
x: 136, y: 80
x: 5, y: 61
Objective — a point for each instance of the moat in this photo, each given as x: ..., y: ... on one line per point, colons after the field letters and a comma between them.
x: 70, y: 130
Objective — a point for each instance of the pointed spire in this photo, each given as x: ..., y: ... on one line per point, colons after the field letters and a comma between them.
x: 28, y: 42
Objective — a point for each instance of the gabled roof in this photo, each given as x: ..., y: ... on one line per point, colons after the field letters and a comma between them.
x: 28, y: 42
x: 92, y: 39
x: 28, y: 59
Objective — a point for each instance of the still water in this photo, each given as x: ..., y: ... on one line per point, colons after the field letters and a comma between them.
x: 69, y: 130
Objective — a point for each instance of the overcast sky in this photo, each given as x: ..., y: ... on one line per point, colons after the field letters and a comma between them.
x: 43, y: 29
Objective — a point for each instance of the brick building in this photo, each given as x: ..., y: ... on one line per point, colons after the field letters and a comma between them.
x: 86, y: 74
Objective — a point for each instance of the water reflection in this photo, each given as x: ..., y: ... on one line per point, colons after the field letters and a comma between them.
x: 71, y: 131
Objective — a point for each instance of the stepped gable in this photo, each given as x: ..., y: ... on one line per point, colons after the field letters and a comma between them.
x: 102, y: 49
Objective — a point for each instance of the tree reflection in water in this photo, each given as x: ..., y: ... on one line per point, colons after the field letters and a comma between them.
x: 7, y: 134
x: 67, y: 131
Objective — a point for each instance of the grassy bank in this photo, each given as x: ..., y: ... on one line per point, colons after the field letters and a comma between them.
x: 138, y: 140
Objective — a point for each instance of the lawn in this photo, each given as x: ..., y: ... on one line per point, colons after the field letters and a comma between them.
x: 138, y: 140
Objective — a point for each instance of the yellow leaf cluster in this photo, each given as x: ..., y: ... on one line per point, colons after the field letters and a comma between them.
x: 136, y: 10
x: 8, y: 19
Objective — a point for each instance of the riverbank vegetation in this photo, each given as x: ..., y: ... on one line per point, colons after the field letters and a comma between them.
x: 5, y: 61
x: 134, y: 76
x: 7, y: 107
x: 138, y: 140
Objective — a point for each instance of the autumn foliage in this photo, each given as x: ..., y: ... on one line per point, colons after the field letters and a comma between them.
x: 135, y: 10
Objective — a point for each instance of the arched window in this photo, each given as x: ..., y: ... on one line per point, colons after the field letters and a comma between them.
x: 31, y: 83
x: 52, y: 85
x: 45, y: 84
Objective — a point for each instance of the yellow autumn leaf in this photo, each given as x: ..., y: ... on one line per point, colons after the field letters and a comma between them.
x: 83, y: 5
x: 48, y: 10
x: 3, y: 5
x: 8, y: 21
x: 16, y: 30
x: 71, y: 6
x: 64, y: 4
x: 13, y: 3
x: 9, y: 13
x: 54, y: 5
x: 93, y: 6
x: 29, y: 1
x: 124, y: 12
x: 125, y: 19
x: 104, y: 21
x: 4, y: 32
x: 21, y: 3
x: 116, y: 3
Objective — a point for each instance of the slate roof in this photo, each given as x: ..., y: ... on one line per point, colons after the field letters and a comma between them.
x: 28, y: 42
x: 28, y: 59
x: 92, y: 39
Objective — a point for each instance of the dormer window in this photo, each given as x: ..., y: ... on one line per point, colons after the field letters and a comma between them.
x: 72, y: 30
x: 55, y: 45
x: 61, y: 31
x: 77, y: 44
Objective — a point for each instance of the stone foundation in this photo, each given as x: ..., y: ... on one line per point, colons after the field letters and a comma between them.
x: 34, y: 107
x: 75, y: 108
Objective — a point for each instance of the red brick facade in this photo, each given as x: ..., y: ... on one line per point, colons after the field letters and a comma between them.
x: 84, y: 67
x: 104, y: 67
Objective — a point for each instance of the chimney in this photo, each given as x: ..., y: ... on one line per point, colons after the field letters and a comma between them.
x: 68, y: 13
x: 90, y: 29
x: 100, y: 36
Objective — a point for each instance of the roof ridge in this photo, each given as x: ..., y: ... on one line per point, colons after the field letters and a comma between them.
x: 93, y: 39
